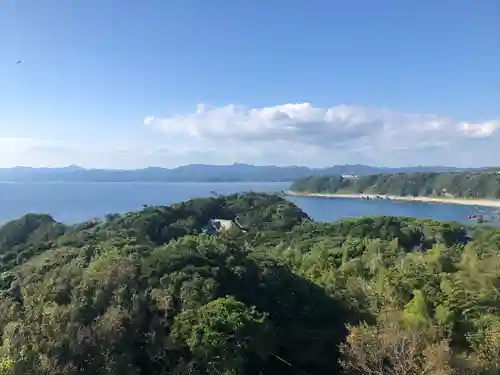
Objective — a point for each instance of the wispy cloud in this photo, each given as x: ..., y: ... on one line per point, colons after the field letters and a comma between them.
x: 43, y: 153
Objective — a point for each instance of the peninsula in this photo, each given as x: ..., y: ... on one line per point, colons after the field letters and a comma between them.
x: 467, y: 188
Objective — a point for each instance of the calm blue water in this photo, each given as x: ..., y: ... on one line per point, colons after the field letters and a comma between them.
x: 332, y: 209
x: 74, y: 202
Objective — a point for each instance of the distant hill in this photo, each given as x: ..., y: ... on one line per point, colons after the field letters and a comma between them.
x: 457, y: 184
x: 201, y: 173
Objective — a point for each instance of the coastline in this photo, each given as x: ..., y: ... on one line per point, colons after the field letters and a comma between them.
x: 461, y: 201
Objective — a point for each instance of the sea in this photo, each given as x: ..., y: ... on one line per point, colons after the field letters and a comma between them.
x: 76, y: 202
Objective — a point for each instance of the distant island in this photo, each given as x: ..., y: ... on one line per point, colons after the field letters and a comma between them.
x: 206, y: 173
x: 455, y: 187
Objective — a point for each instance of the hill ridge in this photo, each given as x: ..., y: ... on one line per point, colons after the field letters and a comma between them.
x: 237, y: 172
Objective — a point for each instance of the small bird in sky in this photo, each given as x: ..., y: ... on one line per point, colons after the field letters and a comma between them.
x: 19, y: 62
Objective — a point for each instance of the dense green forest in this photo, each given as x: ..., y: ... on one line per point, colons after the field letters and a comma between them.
x: 460, y: 184
x: 148, y: 292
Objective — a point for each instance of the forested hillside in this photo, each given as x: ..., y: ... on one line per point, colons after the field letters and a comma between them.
x: 148, y: 293
x: 463, y: 184
x: 236, y: 172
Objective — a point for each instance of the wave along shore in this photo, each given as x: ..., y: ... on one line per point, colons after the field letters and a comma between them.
x: 463, y: 201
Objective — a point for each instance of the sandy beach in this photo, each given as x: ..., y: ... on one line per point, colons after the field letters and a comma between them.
x: 462, y: 201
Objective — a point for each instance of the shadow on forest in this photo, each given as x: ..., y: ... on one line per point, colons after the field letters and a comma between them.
x: 308, y: 324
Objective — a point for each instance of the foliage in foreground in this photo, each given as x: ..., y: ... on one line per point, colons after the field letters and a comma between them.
x: 147, y: 293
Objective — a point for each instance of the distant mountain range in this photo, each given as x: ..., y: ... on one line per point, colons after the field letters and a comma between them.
x: 203, y: 173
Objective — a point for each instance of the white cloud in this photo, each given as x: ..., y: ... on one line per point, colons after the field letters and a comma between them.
x: 486, y: 129
x: 149, y: 120
x: 304, y: 134
x: 286, y: 134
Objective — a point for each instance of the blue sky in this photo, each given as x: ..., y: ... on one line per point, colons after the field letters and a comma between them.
x: 127, y: 84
